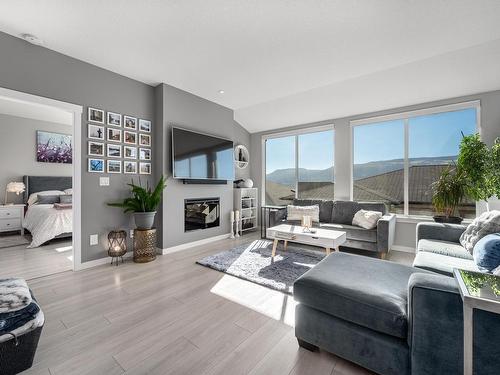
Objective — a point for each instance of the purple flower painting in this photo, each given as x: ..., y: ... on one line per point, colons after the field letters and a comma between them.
x: 54, y: 147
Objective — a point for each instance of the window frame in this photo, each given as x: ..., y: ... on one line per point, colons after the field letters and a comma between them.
x: 405, y: 117
x: 292, y: 133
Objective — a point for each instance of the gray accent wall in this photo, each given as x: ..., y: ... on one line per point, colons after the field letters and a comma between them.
x: 175, y: 107
x: 40, y: 71
x: 18, y: 152
x: 405, y: 231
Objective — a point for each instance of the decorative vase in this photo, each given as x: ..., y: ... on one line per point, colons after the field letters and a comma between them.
x: 144, y: 220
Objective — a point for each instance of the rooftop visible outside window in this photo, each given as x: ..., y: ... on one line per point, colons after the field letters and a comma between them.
x: 397, y: 161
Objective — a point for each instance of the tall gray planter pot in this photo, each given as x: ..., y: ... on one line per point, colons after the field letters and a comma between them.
x: 144, y: 220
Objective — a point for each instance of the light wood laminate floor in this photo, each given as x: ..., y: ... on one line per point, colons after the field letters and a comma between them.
x: 54, y: 257
x: 171, y: 316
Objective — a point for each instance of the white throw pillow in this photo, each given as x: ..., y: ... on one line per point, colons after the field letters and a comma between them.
x: 68, y: 191
x: 34, y: 197
x: 366, y: 219
x: 487, y: 223
x: 297, y: 212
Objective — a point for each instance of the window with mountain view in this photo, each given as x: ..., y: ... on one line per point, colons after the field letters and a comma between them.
x: 381, y: 170
x: 379, y: 164
x: 433, y: 146
x: 299, y: 166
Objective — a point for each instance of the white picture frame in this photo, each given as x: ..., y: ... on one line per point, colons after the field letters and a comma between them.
x: 145, y: 140
x: 96, y: 132
x: 130, y: 122
x: 129, y: 152
x: 130, y: 167
x: 144, y: 153
x: 114, y: 166
x: 114, y: 119
x: 95, y: 148
x: 114, y: 135
x: 95, y: 165
x: 95, y: 115
x: 114, y: 151
x: 144, y: 126
x: 144, y: 168
x: 129, y: 137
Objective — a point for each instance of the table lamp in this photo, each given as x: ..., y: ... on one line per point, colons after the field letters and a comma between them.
x: 14, y: 187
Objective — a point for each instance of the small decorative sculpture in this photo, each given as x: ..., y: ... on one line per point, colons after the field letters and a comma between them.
x: 232, y: 224
x: 237, y: 218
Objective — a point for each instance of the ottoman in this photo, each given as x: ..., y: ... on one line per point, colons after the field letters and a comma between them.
x: 357, y: 308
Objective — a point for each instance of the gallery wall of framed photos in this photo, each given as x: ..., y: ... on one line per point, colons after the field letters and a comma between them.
x: 118, y: 143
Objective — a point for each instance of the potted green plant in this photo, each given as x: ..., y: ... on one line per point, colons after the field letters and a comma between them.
x: 448, y: 192
x: 143, y: 203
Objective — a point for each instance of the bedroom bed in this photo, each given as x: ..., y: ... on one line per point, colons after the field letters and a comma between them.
x: 43, y: 220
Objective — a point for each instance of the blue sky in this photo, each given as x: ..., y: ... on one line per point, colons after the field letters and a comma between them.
x: 429, y: 136
x: 315, y: 151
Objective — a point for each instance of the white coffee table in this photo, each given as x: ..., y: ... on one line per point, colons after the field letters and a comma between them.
x: 325, y: 238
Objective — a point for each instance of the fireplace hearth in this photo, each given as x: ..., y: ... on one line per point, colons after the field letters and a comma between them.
x: 201, y: 213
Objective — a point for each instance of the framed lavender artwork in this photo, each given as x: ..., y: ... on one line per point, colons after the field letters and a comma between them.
x: 54, y: 147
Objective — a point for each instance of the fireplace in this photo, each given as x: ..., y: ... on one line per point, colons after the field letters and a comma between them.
x: 201, y: 213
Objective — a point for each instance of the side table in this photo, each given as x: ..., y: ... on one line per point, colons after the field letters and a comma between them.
x: 264, y: 217
x: 479, y: 291
x: 144, y: 245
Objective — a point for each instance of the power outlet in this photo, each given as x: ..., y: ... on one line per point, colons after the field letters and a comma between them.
x: 103, y: 181
x: 94, y: 239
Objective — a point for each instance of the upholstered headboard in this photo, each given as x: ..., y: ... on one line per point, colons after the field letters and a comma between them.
x: 34, y: 184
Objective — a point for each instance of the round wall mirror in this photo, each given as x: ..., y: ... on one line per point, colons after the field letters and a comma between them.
x: 241, y: 156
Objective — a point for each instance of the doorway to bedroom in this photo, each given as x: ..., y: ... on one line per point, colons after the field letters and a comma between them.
x: 39, y: 201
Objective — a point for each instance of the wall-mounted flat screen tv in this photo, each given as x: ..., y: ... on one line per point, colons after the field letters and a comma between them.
x: 197, y: 156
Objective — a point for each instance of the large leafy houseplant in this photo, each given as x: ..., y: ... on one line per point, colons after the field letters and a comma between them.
x: 448, y: 193
x: 480, y: 166
x: 143, y: 203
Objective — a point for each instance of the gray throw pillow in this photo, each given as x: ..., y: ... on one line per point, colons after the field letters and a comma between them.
x: 47, y: 199
x: 486, y: 223
x: 66, y: 198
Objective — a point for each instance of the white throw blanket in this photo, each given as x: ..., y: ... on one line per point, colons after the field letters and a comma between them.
x: 45, y: 222
x: 14, y: 295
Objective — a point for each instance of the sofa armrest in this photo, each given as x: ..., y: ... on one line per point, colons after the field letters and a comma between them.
x: 276, y: 216
x: 435, y: 325
x: 386, y: 227
x: 440, y: 231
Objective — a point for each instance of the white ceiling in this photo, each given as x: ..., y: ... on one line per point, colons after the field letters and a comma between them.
x: 35, y: 111
x: 274, y: 58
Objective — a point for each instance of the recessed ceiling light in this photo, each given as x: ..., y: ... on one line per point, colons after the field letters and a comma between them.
x: 32, y: 39
x: 221, y: 91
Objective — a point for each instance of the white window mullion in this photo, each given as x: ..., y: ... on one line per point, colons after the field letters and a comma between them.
x: 296, y: 166
x: 406, y: 172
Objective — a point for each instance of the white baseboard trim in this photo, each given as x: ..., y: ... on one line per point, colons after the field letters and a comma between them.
x: 405, y: 249
x: 184, y: 246
x: 100, y: 262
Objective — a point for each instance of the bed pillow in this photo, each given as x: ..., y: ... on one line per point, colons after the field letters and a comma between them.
x: 486, y: 223
x: 48, y: 199
x: 68, y: 191
x: 297, y: 212
x: 34, y: 197
x: 366, y: 219
x: 66, y: 199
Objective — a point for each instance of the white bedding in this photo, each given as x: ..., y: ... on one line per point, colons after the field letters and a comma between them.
x: 45, y: 222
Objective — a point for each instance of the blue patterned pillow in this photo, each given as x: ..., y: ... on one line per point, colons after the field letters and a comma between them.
x: 487, y: 252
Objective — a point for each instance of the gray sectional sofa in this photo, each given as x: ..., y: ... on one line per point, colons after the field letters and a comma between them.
x: 395, y: 319
x: 338, y: 215
x: 439, y: 249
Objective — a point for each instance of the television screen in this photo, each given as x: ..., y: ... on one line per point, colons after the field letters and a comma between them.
x: 201, y: 157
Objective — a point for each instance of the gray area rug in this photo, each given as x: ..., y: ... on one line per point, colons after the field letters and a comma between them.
x: 13, y: 240
x: 253, y: 262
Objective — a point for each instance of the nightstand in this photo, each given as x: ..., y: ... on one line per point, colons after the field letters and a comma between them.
x: 11, y: 218
x: 479, y: 291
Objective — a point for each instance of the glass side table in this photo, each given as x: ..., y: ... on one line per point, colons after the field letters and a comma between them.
x: 479, y: 291
x: 264, y: 217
